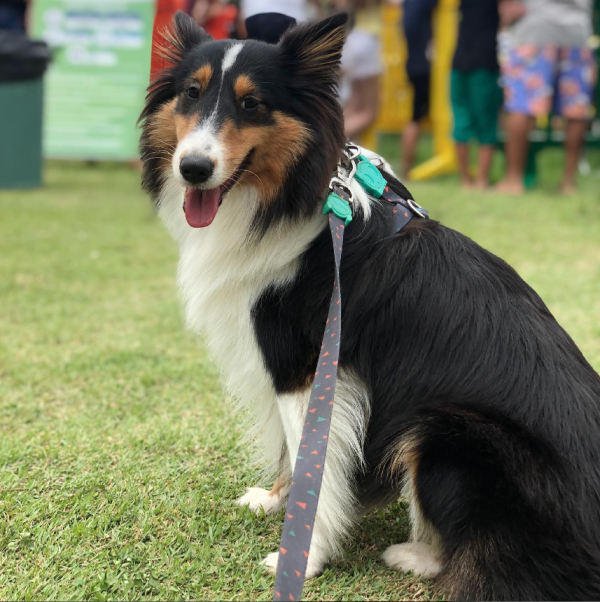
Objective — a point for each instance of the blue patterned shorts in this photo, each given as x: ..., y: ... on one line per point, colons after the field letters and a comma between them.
x: 539, y: 80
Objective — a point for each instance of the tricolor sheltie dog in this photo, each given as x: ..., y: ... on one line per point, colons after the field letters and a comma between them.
x: 457, y: 387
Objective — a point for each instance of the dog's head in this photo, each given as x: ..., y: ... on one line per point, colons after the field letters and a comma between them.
x: 231, y: 113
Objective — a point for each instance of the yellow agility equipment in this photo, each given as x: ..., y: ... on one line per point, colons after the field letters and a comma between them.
x: 395, y: 94
x: 445, y: 30
x: 395, y: 105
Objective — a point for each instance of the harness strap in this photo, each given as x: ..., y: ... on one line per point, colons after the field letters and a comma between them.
x: 308, y: 472
x: 401, y: 212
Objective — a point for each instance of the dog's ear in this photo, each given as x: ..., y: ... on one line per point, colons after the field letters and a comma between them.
x: 183, y: 35
x: 314, y: 50
x: 177, y: 40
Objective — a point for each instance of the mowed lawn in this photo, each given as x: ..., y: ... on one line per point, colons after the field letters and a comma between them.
x: 120, y: 458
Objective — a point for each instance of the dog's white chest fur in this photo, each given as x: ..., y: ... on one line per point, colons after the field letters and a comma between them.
x: 221, y: 275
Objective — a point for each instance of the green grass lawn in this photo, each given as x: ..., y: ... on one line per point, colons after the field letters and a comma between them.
x: 120, y: 458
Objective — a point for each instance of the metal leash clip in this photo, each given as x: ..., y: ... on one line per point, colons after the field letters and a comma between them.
x: 346, y: 171
x: 342, y: 180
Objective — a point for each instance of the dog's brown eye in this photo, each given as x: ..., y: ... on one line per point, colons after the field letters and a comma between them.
x: 193, y: 93
x: 250, y: 103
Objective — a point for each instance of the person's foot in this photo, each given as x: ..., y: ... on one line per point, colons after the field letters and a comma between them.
x: 466, y: 184
x: 568, y: 188
x: 481, y: 185
x: 510, y: 186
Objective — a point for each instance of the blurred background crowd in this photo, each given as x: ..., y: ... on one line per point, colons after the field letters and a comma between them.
x: 508, y: 75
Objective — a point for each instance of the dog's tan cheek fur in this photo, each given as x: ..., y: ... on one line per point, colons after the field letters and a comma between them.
x: 185, y: 124
x: 276, y: 148
x: 162, y: 133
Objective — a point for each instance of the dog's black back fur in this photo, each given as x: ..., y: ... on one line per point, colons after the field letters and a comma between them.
x: 463, y: 358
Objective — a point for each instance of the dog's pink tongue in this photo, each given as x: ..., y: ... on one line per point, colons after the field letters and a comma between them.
x: 201, y: 206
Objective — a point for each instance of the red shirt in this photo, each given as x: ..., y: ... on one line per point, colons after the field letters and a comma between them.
x: 165, y: 11
x: 219, y: 27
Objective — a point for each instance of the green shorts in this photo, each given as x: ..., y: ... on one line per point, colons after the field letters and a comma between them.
x: 476, y: 101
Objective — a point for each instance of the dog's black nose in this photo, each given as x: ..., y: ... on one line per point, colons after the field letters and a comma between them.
x: 196, y: 170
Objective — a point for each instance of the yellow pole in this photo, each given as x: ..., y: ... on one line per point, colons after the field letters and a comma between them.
x: 445, y: 29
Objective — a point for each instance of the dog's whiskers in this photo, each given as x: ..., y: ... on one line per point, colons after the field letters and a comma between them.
x: 168, y: 145
x: 255, y: 175
x: 158, y: 157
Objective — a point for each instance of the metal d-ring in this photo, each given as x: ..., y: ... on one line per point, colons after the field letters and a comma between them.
x: 416, y: 208
x: 343, y: 185
x: 353, y: 155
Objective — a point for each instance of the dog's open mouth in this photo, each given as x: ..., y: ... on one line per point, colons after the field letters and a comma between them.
x: 201, y: 205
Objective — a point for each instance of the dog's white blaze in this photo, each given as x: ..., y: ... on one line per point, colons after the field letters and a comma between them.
x: 230, y: 56
x: 337, y: 509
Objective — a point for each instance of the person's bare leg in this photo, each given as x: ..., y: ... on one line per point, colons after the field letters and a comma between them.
x: 462, y: 153
x: 410, y: 139
x: 518, y: 126
x: 361, y: 111
x: 486, y: 154
x: 573, y: 142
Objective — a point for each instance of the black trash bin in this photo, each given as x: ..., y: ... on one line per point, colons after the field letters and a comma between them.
x: 22, y: 66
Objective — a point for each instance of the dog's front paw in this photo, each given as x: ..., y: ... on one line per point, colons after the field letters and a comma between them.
x: 420, y: 558
x: 258, y: 499
x: 270, y: 564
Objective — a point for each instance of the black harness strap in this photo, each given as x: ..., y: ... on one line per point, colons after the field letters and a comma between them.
x: 310, y: 461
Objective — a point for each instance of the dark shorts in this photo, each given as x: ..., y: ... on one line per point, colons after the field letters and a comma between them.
x: 476, y: 100
x: 421, y: 85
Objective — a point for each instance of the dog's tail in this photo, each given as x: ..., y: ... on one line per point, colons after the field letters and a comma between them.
x: 512, y: 522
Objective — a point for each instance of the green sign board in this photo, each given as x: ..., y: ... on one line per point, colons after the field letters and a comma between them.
x: 96, y: 83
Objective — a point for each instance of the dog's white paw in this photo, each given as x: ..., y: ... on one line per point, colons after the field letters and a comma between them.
x: 258, y: 499
x: 270, y: 564
x: 420, y: 558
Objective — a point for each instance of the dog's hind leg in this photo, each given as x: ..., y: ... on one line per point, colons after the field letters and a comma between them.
x: 338, y: 507
x: 499, y: 508
x: 420, y: 558
x: 423, y: 553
